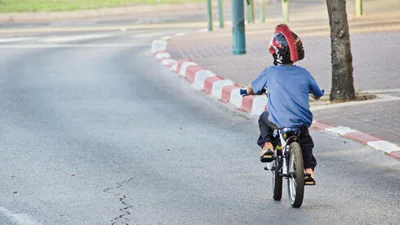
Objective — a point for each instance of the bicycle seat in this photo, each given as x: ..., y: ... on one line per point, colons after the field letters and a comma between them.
x: 290, y: 131
x: 287, y: 132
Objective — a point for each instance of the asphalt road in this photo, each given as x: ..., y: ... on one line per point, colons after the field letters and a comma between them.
x: 96, y: 132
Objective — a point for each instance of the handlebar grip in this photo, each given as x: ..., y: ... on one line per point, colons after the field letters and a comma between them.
x: 243, y: 92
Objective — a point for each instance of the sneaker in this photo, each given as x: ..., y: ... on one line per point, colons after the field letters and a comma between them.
x: 267, y: 153
x: 309, y: 177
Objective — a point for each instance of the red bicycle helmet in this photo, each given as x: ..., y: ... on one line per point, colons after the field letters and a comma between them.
x: 285, y: 46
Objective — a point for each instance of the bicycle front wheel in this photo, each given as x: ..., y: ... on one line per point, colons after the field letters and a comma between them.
x: 295, y: 175
x: 277, y: 180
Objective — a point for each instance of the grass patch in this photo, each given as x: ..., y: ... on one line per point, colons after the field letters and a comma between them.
x: 73, y: 5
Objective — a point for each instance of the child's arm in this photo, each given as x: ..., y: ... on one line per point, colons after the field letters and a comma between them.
x: 315, y: 90
x: 257, y: 86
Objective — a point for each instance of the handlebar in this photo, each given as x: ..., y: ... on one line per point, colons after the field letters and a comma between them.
x: 243, y: 92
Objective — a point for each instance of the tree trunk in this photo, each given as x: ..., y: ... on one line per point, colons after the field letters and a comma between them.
x: 341, y: 58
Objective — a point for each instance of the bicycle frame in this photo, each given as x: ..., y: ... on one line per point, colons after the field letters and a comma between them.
x: 286, y: 137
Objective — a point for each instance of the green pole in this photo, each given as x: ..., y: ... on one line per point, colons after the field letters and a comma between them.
x: 220, y: 14
x: 238, y: 28
x: 209, y: 16
x: 285, y: 10
x: 249, y: 11
x: 252, y: 11
x: 262, y: 11
x: 359, y: 8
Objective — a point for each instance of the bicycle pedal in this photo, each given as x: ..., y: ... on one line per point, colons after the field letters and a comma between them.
x: 309, y: 183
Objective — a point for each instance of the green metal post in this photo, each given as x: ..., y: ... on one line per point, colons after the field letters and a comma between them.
x: 238, y: 28
x: 359, y: 8
x: 285, y: 10
x: 209, y: 15
x: 221, y: 14
x: 250, y: 11
x: 262, y: 11
x: 248, y: 16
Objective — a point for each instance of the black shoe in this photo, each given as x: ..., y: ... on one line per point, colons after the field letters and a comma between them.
x: 268, y: 156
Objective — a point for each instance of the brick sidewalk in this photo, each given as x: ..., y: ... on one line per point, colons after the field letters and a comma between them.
x: 375, y: 59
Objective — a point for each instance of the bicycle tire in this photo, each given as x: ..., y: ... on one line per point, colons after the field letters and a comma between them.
x: 295, y: 179
x: 277, y: 180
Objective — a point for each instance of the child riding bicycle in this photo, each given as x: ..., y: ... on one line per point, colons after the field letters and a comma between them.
x: 288, y: 87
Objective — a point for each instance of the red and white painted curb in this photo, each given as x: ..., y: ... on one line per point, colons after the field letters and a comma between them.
x: 227, y: 91
x: 364, y: 138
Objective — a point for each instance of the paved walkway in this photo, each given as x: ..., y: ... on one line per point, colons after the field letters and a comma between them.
x: 374, y: 47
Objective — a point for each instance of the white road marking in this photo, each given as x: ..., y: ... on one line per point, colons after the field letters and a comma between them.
x: 74, y: 45
x: 77, y: 38
x: 65, y: 39
x: 149, y: 34
x: 20, y: 219
x: 16, y: 39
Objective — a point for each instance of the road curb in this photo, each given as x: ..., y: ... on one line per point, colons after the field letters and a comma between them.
x: 227, y: 91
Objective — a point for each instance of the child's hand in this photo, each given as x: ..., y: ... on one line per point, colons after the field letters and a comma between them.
x: 250, y: 90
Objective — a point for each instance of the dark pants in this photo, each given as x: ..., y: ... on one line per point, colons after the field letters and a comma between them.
x: 306, y: 142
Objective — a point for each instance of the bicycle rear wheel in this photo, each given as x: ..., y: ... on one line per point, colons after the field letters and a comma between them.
x: 295, y: 175
x: 277, y: 179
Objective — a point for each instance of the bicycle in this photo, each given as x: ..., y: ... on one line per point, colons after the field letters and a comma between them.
x: 288, y: 163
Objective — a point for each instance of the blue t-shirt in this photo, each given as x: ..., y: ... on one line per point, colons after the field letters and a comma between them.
x: 288, y: 94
